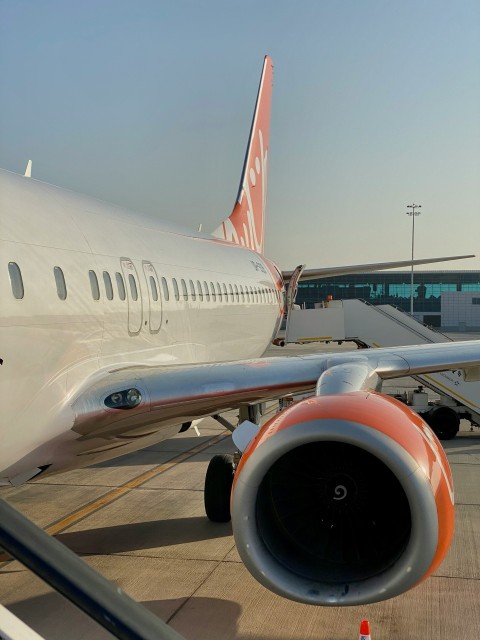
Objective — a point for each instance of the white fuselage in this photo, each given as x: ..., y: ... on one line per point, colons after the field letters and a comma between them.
x: 54, y: 346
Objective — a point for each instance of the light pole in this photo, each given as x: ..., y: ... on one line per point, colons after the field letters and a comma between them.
x: 412, y: 213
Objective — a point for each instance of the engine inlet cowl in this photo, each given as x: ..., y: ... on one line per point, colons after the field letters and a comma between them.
x: 329, y: 510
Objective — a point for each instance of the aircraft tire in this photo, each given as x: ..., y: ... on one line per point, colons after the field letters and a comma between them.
x: 218, y: 488
x: 443, y: 421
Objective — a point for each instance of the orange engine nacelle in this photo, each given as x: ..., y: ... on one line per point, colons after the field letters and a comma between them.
x: 343, y: 500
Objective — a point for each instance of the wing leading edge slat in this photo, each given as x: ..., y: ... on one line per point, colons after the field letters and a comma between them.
x: 175, y: 395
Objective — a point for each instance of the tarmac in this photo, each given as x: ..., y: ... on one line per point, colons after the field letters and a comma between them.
x: 139, y: 520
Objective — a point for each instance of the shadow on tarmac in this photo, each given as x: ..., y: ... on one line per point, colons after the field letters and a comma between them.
x: 47, y: 615
x: 143, y: 535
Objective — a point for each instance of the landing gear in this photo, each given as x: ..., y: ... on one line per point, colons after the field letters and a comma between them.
x: 443, y: 421
x: 218, y: 488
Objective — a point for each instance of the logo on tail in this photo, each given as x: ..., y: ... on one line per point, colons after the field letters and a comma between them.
x: 246, y: 224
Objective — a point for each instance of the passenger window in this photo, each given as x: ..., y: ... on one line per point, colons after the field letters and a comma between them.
x: 225, y: 294
x: 219, y: 292
x: 133, y: 287
x: 120, y: 286
x: 237, y: 298
x: 205, y: 289
x: 231, y: 292
x: 153, y: 287
x: 16, y: 281
x: 241, y: 294
x: 94, y: 285
x: 212, y: 291
x: 192, y: 290
x: 247, y: 295
x: 200, y: 290
x: 166, y: 293
x: 107, y: 281
x: 60, y: 282
x: 184, y: 290
x: 175, y: 289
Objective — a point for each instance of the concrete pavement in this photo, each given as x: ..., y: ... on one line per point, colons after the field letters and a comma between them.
x: 154, y: 541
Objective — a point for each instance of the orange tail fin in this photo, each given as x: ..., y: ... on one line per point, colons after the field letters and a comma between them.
x: 246, y: 224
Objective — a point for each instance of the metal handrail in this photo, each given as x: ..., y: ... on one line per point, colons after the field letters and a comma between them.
x: 424, y: 324
x: 76, y: 580
x: 404, y: 324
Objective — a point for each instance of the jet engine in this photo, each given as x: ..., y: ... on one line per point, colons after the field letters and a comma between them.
x: 343, y: 500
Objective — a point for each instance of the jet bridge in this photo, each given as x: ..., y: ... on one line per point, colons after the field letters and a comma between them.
x: 387, y: 326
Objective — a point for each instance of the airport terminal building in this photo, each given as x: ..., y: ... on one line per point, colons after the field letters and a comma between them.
x: 449, y: 300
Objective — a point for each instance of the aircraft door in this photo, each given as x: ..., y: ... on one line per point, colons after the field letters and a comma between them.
x: 154, y: 297
x: 292, y: 287
x: 134, y: 296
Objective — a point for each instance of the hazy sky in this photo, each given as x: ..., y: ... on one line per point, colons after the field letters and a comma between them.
x: 148, y: 103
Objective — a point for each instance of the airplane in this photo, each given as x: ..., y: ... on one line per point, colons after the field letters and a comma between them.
x: 119, y: 331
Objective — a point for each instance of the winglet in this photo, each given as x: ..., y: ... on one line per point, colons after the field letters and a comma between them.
x: 28, y: 170
x: 246, y: 224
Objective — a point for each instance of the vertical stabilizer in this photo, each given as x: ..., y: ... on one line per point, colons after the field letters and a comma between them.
x: 246, y: 224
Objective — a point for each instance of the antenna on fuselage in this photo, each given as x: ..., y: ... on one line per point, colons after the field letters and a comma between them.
x: 28, y: 170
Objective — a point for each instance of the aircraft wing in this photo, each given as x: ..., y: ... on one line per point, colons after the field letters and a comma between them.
x: 127, y: 402
x: 329, y: 272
